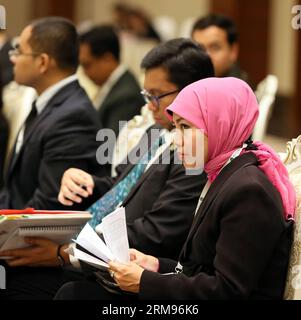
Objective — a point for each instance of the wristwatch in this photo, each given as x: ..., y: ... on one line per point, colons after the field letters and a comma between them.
x: 59, y: 256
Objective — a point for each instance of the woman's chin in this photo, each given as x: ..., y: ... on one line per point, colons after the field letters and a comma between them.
x: 196, y: 168
x: 189, y: 165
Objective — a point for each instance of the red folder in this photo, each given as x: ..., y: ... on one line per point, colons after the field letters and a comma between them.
x: 9, y: 212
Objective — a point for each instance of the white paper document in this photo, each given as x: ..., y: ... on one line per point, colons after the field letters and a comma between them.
x: 80, y: 255
x: 115, y: 234
x: 115, y: 247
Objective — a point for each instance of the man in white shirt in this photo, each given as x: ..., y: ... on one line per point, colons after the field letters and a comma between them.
x: 61, y: 127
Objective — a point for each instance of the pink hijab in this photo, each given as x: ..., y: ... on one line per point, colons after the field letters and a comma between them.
x: 227, y: 110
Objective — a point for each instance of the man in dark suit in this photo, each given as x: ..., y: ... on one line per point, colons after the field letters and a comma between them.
x: 155, y: 204
x: 119, y: 98
x: 61, y: 127
x: 4, y: 131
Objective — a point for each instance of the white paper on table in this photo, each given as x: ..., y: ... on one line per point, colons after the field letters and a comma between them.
x: 89, y: 240
x: 115, y: 234
x: 80, y: 255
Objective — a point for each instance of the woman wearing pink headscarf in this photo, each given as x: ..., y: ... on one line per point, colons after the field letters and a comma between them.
x: 238, y: 246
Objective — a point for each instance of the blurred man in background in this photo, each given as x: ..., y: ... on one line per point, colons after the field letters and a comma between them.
x: 119, y: 98
x: 218, y: 34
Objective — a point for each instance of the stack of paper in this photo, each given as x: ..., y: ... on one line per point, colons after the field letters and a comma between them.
x: 115, y: 247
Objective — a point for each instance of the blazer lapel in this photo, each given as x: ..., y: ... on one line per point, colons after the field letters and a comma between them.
x: 55, y: 101
x: 39, y: 119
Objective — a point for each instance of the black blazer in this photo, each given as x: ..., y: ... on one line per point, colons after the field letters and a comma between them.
x: 63, y: 136
x: 6, y: 66
x: 122, y: 103
x: 160, y: 208
x: 238, y: 246
x: 3, y: 144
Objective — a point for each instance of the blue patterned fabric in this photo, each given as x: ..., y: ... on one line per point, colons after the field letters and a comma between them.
x: 110, y: 201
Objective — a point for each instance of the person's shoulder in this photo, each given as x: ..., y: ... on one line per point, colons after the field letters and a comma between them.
x: 250, y: 185
x: 74, y: 99
x: 243, y: 177
x: 128, y: 83
x: 75, y: 108
x: 249, y: 176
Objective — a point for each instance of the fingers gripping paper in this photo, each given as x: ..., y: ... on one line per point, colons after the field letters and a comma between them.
x: 115, y: 247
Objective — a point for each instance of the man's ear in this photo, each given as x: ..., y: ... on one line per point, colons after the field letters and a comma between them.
x: 108, y: 57
x: 234, y: 52
x: 44, y: 62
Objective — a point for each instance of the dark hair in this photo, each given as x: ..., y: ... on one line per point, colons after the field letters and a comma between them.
x: 219, y: 21
x: 102, y: 39
x: 57, y: 37
x: 184, y: 60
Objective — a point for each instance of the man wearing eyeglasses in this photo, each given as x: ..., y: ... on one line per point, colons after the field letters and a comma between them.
x: 60, y: 130
x: 160, y: 206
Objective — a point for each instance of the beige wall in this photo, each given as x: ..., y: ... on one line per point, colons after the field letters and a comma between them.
x: 282, y: 45
x: 100, y: 10
x: 18, y: 14
x: 178, y: 9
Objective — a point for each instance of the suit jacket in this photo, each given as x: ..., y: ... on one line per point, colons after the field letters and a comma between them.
x: 3, y: 144
x: 62, y: 136
x: 160, y: 208
x: 6, y: 66
x: 238, y: 246
x: 122, y: 103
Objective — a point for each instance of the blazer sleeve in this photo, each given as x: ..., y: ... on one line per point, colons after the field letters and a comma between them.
x: 69, y: 144
x: 167, y: 265
x: 163, y: 228
x: 248, y: 235
x: 3, y: 145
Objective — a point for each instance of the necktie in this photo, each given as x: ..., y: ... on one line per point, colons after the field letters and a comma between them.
x: 20, y: 140
x: 30, y: 119
x: 121, y: 190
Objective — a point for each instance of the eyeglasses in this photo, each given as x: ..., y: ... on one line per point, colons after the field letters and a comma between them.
x: 155, y: 100
x: 16, y: 52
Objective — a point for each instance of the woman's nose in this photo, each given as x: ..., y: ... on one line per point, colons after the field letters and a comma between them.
x: 178, y: 140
